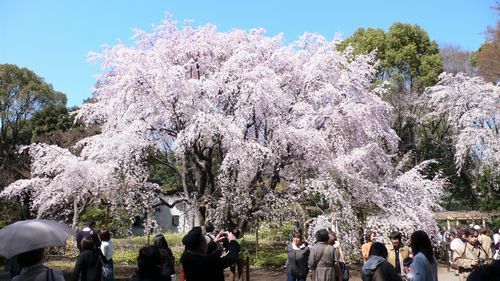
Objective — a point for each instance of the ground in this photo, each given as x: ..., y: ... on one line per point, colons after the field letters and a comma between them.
x: 265, y: 274
x: 276, y: 275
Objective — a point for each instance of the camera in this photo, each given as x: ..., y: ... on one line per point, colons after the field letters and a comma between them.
x: 480, y: 261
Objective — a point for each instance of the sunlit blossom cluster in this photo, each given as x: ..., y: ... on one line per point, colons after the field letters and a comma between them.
x: 472, y: 107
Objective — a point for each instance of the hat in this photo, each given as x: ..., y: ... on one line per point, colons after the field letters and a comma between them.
x: 477, y: 227
x: 193, y: 238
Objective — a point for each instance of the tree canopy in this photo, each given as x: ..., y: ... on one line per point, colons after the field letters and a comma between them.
x: 408, y: 57
x: 254, y: 124
x: 23, y: 94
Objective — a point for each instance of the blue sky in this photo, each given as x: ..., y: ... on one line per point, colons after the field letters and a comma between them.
x: 52, y: 37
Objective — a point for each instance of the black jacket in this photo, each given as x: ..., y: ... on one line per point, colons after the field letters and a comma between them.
x: 208, y: 267
x: 88, y: 266
x: 297, y: 263
x: 87, y: 232
x: 167, y: 262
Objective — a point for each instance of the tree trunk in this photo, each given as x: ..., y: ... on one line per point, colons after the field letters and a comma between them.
x: 199, y: 218
x: 183, y: 178
x: 25, y: 208
x: 76, y: 214
x: 106, y: 216
x: 149, y: 223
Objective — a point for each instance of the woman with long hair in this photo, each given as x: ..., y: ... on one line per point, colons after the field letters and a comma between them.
x: 149, y: 265
x: 167, y: 257
x: 424, y: 265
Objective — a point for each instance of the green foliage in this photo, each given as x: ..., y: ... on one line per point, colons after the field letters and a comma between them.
x: 435, y: 143
x: 174, y: 239
x: 10, y: 212
x: 118, y: 225
x: 269, y: 257
x: 365, y: 41
x: 274, y: 232
x: 430, y: 68
x: 488, y: 189
x: 170, y: 180
x: 407, y: 55
x: 51, y: 118
x: 270, y: 252
x: 125, y: 257
x: 495, y: 223
x: 55, y: 125
x: 93, y: 213
x: 22, y: 94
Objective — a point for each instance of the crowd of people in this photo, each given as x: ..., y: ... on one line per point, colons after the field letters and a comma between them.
x: 205, y: 257
x: 470, y: 249
x: 207, y: 252
x: 471, y: 254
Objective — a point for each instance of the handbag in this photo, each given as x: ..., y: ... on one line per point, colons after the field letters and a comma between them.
x: 105, y: 268
x: 345, y: 271
x: 106, y: 271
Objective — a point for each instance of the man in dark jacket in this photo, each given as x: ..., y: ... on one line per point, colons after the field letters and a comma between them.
x: 200, y: 265
x: 88, y: 266
x: 376, y: 268
x: 88, y: 231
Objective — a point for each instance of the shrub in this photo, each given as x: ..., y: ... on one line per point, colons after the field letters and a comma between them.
x: 125, y: 257
x: 269, y: 257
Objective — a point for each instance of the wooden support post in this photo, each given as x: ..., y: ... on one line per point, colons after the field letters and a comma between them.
x: 247, y: 269
x: 257, y: 240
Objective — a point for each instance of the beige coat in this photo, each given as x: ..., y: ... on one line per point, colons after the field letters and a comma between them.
x: 465, y: 255
x: 404, y: 252
x: 486, y: 243
x: 322, y: 265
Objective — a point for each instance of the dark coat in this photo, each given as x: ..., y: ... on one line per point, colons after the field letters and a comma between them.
x: 297, y: 261
x: 383, y: 272
x: 208, y: 267
x: 87, y: 232
x: 88, y: 266
x: 167, y: 262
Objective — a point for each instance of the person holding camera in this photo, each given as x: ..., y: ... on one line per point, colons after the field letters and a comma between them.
x: 199, y: 264
x: 471, y: 255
